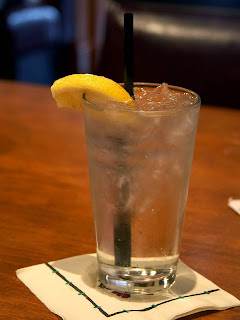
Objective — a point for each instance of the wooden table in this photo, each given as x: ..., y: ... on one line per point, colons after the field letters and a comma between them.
x: 45, y: 210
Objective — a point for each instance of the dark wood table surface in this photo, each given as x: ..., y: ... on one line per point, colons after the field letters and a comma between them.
x: 45, y: 209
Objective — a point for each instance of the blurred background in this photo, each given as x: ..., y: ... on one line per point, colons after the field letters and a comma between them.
x: 190, y: 43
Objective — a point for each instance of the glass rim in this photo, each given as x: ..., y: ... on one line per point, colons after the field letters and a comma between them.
x: 96, y: 106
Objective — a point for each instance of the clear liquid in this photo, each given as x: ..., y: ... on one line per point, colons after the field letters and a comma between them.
x: 139, y: 164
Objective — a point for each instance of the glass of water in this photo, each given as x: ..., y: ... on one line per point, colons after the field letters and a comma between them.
x: 140, y: 161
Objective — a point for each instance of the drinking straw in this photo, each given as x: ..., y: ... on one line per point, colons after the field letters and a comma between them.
x: 122, y: 220
x: 122, y: 227
x: 128, y: 53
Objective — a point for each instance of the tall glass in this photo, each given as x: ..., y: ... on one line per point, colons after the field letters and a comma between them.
x: 139, y: 166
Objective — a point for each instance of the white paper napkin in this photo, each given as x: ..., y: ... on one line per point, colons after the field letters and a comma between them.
x: 70, y: 288
x: 234, y: 204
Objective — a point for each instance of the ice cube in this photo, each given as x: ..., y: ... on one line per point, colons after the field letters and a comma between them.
x: 163, y: 98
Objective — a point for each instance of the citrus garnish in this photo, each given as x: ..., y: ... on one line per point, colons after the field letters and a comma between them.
x: 68, y: 91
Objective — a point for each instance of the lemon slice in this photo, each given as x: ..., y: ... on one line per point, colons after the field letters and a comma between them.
x: 68, y: 91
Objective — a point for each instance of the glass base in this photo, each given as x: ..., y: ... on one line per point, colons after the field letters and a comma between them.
x: 136, y: 280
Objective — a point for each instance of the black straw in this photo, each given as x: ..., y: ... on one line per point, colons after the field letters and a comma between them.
x: 122, y: 227
x: 128, y: 53
x: 122, y: 219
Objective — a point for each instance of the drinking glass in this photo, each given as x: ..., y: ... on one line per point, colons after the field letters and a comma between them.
x: 139, y: 167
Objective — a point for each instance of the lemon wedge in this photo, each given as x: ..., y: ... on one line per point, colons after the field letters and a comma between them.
x: 68, y: 91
